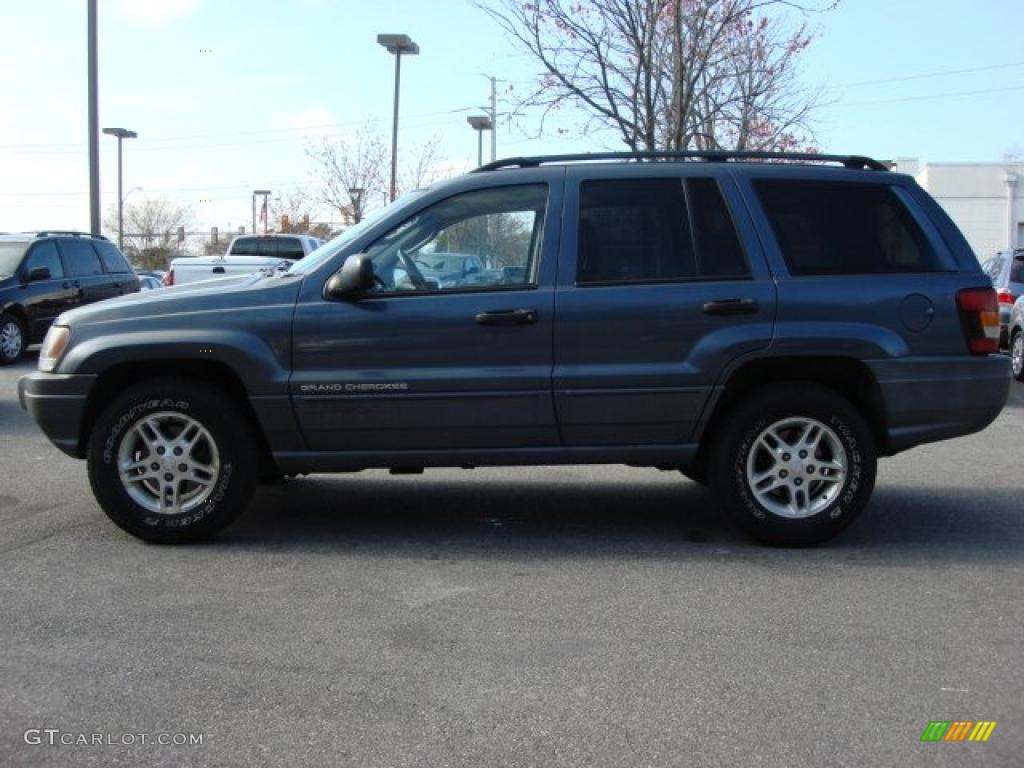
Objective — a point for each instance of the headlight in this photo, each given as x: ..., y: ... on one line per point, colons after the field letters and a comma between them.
x: 54, y: 344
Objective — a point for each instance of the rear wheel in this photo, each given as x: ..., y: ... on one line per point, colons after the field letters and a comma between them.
x: 1017, y: 355
x: 12, y: 338
x: 794, y: 465
x: 172, y: 460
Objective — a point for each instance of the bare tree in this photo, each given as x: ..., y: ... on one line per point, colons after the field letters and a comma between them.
x: 424, y: 167
x: 295, y: 212
x: 669, y: 74
x: 352, y: 174
x: 151, y: 230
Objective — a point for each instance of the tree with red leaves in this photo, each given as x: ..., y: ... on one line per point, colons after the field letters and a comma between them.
x: 670, y: 74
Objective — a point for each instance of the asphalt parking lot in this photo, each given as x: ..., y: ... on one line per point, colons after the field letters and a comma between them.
x: 590, y: 616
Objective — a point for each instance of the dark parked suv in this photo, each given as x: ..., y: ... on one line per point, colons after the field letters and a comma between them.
x: 770, y: 328
x: 46, y: 273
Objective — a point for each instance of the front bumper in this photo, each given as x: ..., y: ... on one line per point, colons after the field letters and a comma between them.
x: 57, y: 403
x: 930, y: 399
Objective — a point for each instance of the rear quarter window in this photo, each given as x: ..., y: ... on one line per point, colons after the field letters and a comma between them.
x: 844, y: 228
x: 112, y: 259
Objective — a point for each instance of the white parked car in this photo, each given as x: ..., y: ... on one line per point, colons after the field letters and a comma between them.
x: 246, y: 254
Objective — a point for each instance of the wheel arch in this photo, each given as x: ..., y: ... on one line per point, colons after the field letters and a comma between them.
x: 212, y: 372
x: 847, y: 376
x: 13, y: 308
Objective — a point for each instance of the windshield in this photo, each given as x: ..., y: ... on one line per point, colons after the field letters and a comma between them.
x: 346, y: 238
x: 10, y: 257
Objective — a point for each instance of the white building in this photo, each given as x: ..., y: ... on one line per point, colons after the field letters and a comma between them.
x: 986, y: 200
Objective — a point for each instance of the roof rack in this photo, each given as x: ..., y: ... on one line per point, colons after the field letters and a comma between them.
x: 71, y: 232
x: 856, y: 162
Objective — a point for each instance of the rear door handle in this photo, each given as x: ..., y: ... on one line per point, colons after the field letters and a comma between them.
x: 507, y: 317
x: 731, y: 307
x: 218, y: 270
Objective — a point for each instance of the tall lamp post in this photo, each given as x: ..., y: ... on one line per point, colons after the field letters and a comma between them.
x: 121, y: 134
x: 265, y: 193
x: 93, y: 119
x: 480, y: 123
x: 397, y: 44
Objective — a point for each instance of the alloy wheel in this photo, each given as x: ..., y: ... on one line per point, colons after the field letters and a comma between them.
x: 168, y: 463
x: 796, y: 467
x: 11, y: 340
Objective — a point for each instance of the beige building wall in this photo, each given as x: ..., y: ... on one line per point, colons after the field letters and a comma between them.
x: 986, y: 200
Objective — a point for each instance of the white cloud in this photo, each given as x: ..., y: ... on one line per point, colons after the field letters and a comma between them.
x: 153, y: 12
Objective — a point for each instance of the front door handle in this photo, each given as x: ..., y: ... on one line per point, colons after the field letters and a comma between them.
x: 218, y: 270
x: 507, y: 317
x: 731, y: 307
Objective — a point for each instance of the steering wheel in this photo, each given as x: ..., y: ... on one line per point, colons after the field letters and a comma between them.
x: 411, y: 270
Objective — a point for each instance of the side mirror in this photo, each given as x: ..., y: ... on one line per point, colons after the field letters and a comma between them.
x: 356, y: 277
x: 39, y: 273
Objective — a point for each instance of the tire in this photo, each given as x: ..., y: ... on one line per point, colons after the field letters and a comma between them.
x: 803, y: 509
x: 147, y: 425
x: 1017, y: 355
x: 12, y: 338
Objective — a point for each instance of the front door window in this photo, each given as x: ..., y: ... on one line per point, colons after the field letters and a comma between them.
x: 474, y: 241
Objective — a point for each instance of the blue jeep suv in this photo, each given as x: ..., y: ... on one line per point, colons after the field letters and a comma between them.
x: 768, y: 324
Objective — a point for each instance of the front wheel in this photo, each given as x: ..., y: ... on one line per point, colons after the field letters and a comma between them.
x: 172, y: 460
x: 794, y: 465
x: 1017, y: 355
x: 12, y: 339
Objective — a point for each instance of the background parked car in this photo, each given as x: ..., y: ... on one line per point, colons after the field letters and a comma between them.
x: 246, y: 254
x: 450, y: 270
x: 1016, y: 332
x: 159, y: 274
x: 1006, y: 269
x: 149, y: 283
x: 45, y: 273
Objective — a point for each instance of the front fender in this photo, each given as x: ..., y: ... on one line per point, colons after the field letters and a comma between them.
x: 260, y: 362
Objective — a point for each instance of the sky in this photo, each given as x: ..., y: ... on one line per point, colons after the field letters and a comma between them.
x: 227, y: 96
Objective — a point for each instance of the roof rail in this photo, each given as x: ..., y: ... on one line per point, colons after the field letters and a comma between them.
x: 858, y: 162
x: 71, y: 232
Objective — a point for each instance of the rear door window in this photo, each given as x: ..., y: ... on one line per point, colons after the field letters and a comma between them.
x: 844, y: 228
x: 655, y: 230
x: 81, y: 258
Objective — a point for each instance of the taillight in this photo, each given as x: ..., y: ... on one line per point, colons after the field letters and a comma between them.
x: 1005, y: 297
x: 979, y: 317
x: 169, y: 279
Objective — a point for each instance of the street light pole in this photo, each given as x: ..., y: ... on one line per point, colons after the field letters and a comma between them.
x: 397, y: 45
x: 121, y: 134
x: 480, y: 123
x: 94, y: 123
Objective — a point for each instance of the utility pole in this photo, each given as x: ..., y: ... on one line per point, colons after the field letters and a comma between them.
x: 494, y: 118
